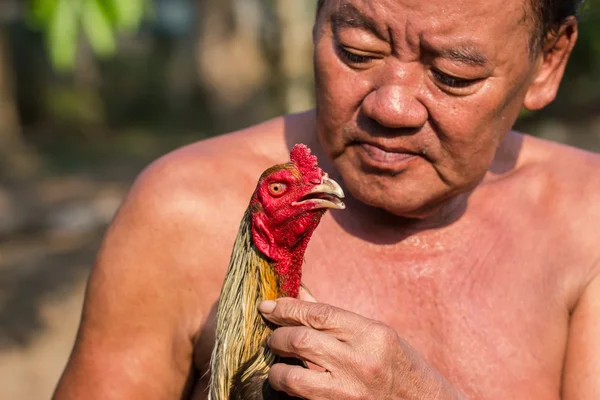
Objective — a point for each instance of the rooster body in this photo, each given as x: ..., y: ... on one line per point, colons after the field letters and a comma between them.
x: 265, y: 264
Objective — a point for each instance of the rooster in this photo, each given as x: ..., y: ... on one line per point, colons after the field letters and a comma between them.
x: 266, y: 263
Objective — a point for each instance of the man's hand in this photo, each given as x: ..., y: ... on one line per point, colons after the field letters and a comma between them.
x: 361, y: 358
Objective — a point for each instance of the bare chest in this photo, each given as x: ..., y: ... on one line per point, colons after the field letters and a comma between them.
x: 486, y: 310
x: 487, y: 313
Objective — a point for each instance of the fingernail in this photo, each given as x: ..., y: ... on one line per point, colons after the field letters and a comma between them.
x: 267, y: 307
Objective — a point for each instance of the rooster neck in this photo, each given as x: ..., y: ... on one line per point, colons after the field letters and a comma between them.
x: 291, y: 243
x: 289, y: 271
x: 241, y: 331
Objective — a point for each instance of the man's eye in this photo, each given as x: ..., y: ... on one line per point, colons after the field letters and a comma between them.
x: 451, y: 81
x: 353, y: 58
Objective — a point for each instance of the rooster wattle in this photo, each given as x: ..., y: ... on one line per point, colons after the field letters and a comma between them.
x: 266, y: 263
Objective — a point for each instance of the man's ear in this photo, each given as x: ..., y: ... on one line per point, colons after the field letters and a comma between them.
x: 551, y: 66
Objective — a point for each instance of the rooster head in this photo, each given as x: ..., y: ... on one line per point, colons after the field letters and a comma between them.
x: 288, y: 204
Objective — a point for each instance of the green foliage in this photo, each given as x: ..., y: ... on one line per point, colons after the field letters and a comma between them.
x: 64, y: 21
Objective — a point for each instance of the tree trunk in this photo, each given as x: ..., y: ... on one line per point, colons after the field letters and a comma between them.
x: 16, y: 160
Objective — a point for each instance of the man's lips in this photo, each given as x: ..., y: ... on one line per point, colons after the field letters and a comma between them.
x: 385, y: 156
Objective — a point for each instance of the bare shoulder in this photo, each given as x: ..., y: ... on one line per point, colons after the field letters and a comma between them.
x: 566, y: 158
x: 207, y: 185
x: 573, y: 185
x: 224, y: 166
x: 190, y: 201
x: 568, y: 175
x: 161, y: 264
x: 566, y: 183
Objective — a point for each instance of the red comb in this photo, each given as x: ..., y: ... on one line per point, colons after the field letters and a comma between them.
x: 306, y: 163
x: 304, y: 160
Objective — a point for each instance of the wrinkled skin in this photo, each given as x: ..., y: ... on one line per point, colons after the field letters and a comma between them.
x: 396, y: 99
x: 469, y: 268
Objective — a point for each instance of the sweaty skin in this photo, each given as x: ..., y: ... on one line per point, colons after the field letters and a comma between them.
x: 476, y: 245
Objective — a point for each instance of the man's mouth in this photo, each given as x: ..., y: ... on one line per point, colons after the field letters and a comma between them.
x: 379, y: 156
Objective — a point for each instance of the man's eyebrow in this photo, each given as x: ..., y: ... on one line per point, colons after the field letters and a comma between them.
x: 466, y: 55
x: 351, y: 17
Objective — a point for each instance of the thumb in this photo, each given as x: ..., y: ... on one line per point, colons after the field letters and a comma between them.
x: 306, y: 295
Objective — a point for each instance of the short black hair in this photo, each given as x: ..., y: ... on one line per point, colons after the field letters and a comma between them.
x: 547, y: 16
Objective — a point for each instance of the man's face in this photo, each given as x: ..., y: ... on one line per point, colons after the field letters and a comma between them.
x: 414, y: 97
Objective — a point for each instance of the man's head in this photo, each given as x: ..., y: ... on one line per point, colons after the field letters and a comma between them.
x: 413, y: 97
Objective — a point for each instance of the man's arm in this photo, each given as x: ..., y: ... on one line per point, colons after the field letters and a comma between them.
x: 581, y: 377
x: 141, y: 310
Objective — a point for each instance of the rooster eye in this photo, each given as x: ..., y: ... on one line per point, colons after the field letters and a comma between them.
x: 277, y: 189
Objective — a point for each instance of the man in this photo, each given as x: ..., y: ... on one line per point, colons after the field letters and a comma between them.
x: 465, y: 265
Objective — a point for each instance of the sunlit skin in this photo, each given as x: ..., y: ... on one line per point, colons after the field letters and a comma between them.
x: 465, y: 265
x: 411, y: 78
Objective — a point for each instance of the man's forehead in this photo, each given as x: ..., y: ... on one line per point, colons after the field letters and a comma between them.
x: 349, y: 7
x: 369, y: 13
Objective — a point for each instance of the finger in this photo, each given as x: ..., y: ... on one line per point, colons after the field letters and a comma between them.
x: 306, y: 295
x: 300, y: 382
x: 314, y: 366
x: 308, y: 345
x: 323, y: 317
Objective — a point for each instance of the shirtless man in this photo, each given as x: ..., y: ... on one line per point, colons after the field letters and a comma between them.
x: 474, y: 243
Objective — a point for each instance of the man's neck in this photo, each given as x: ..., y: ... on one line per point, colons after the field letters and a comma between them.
x: 386, y: 227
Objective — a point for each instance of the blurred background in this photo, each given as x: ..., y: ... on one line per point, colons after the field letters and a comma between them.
x: 91, y: 91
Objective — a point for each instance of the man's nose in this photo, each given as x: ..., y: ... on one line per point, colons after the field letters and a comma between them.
x: 395, y: 106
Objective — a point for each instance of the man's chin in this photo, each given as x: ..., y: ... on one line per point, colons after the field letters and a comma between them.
x: 404, y: 195
x: 390, y: 198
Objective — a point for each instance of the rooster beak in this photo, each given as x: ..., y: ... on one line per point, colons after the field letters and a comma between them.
x: 327, y: 194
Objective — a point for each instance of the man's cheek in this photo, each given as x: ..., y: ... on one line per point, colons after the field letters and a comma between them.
x: 331, y: 141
